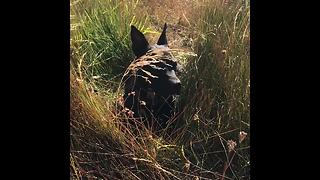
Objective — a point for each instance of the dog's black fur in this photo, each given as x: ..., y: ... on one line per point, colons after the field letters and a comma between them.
x: 150, y: 82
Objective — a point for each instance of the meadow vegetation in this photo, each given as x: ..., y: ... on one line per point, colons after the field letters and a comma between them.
x: 210, y: 136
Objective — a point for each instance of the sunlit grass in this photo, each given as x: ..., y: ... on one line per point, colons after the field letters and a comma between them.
x: 216, y: 94
x: 205, y: 140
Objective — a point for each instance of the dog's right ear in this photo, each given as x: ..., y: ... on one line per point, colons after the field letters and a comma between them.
x: 163, y: 38
x: 140, y: 44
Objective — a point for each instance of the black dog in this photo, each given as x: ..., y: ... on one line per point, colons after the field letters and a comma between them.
x: 150, y: 82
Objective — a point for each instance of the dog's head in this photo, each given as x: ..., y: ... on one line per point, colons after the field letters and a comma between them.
x: 151, y: 78
x: 158, y: 61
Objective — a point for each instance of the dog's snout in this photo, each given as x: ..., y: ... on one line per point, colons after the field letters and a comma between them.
x: 174, y: 83
x: 178, y: 87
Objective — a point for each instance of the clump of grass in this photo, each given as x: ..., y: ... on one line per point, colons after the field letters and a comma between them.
x: 222, y: 68
x: 215, y: 102
x: 101, y: 34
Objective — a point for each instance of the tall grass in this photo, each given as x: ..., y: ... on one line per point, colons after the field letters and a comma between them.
x: 101, y: 145
x: 217, y: 81
x: 214, y: 104
x: 100, y: 32
x: 216, y: 94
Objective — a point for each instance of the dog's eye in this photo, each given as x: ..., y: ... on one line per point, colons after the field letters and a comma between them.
x: 171, y: 64
x: 170, y: 67
x: 154, y: 67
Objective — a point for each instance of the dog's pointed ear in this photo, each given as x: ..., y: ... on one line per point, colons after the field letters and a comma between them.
x: 140, y: 44
x: 163, y: 38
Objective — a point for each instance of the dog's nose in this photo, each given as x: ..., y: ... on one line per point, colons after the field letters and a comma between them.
x: 178, y: 88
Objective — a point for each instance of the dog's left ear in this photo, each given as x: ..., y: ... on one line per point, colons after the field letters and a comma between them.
x: 163, y: 38
x: 140, y: 44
